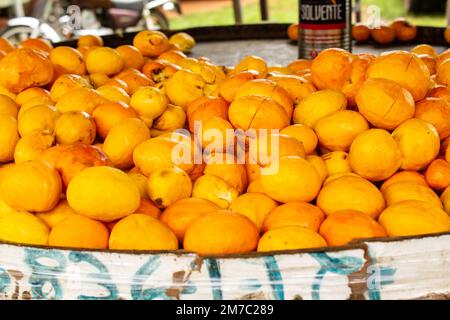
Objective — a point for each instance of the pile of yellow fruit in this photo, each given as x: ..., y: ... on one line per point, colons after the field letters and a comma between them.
x: 88, y: 139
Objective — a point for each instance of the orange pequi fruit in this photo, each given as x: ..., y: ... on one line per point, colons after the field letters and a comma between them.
x: 79, y: 232
x: 437, y: 174
x: 342, y: 227
x: 24, y: 68
x: 181, y: 214
x: 221, y: 232
x: 301, y: 214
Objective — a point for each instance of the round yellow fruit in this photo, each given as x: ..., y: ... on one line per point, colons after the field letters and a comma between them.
x: 418, y: 142
x: 319, y: 164
x: 149, y: 103
x: 104, y: 60
x: 300, y: 214
x: 183, y: 40
x: 337, y: 131
x: 114, y: 93
x: 351, y: 193
x: 123, y: 138
x: 214, y: 189
x: 57, y: 214
x: 157, y: 152
x: 413, y: 217
x: 384, y: 103
x: 103, y: 193
x: 32, y: 186
x: 76, y: 231
x: 318, y: 105
x: 255, y: 206
x: 75, y: 126
x: 407, y: 190
x: 40, y: 117
x: 141, y: 183
x: 142, y: 232
x: 8, y: 106
x: 9, y: 136
x: 336, y: 162
x: 32, y: 145
x: 23, y: 228
x: 221, y: 232
x: 304, y: 134
x: 290, y: 179
x: 445, y: 198
x: 184, y: 87
x: 375, y: 155
x: 168, y: 185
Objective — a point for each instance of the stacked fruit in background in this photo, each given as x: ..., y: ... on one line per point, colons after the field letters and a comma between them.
x: 87, y: 140
x: 400, y: 30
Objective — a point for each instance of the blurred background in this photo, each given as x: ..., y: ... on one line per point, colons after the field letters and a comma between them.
x: 220, y: 12
x: 59, y: 20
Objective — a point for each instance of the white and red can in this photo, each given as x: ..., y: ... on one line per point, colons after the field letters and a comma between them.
x: 323, y: 24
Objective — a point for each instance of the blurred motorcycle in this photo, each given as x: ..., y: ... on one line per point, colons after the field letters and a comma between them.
x: 57, y: 20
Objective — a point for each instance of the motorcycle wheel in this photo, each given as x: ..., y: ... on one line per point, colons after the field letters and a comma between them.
x: 158, y: 20
x: 16, y: 34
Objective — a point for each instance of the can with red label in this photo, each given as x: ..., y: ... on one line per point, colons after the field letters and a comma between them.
x: 324, y: 24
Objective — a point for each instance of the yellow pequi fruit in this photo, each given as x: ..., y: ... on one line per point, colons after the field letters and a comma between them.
x: 318, y: 105
x: 342, y: 227
x: 8, y: 106
x: 300, y: 214
x: 123, y: 138
x: 77, y: 231
x: 418, y: 142
x: 104, y: 60
x: 319, y: 164
x: 407, y: 190
x: 412, y: 218
x: 405, y: 68
x: 179, y: 216
x: 168, y: 185
x: 184, y: 87
x: 23, y: 228
x: 384, y: 103
x: 290, y: 179
x: 255, y: 206
x: 214, y: 189
x: 142, y: 232
x: 304, y: 134
x: 141, y: 182
x: 337, y: 131
x: 32, y: 186
x: 80, y: 99
x: 252, y: 63
x: 445, y: 198
x: 103, y: 193
x: 336, y: 162
x: 157, y: 152
x: 290, y: 238
x: 149, y: 103
x: 183, y: 40
x: 9, y: 137
x: 351, y: 193
x: 75, y: 126
x: 57, y: 214
x: 41, y: 117
x: 375, y: 155
x: 221, y: 232
x: 114, y: 93
x: 32, y: 145
x: 172, y: 118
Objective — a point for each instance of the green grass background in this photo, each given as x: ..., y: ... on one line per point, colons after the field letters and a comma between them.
x: 286, y: 11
